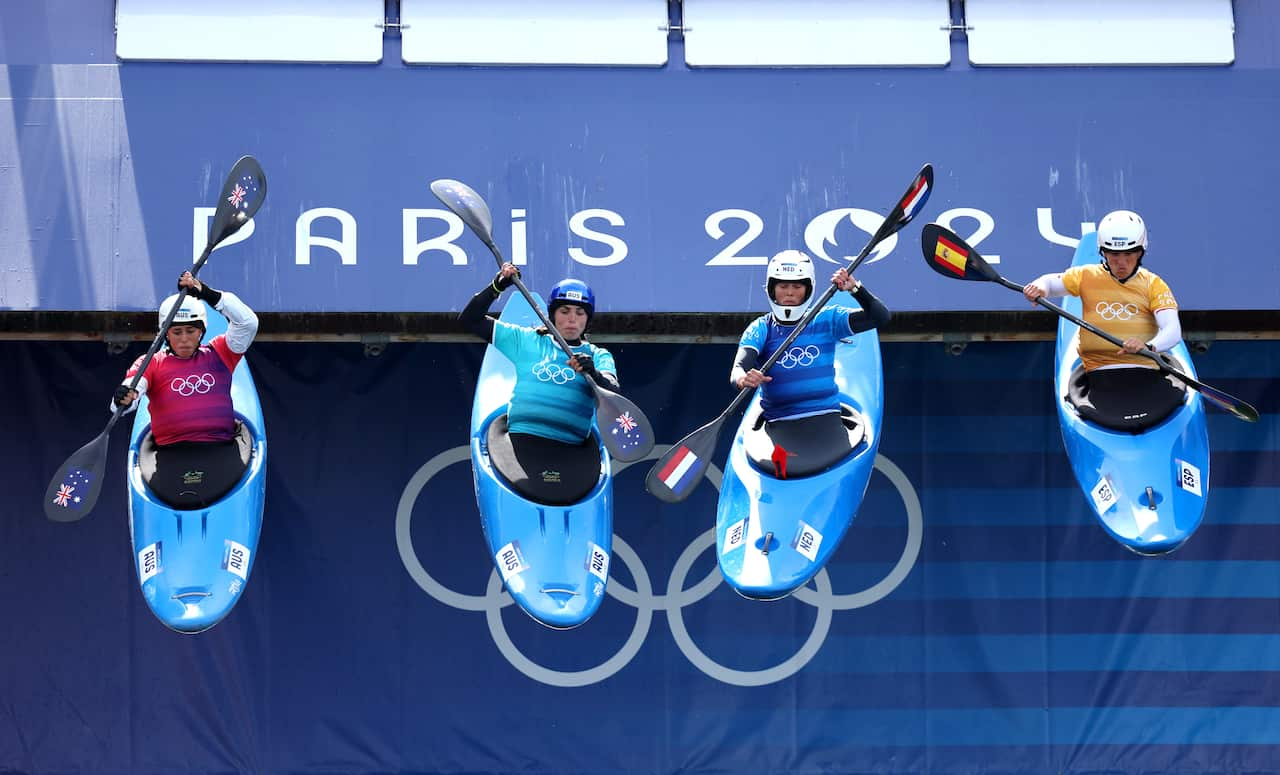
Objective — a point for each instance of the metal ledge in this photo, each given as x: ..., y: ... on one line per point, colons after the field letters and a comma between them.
x: 117, y: 327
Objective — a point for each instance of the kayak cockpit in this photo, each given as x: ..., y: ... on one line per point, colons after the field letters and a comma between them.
x: 543, y: 470
x: 218, y: 469
x: 805, y: 446
x: 1127, y: 400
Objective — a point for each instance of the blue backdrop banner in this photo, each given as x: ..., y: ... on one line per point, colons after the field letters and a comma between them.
x: 974, y: 620
x: 667, y: 189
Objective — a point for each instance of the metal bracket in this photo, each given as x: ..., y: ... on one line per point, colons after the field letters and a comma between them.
x: 954, y: 344
x: 116, y: 342
x: 374, y: 344
x: 1200, y: 344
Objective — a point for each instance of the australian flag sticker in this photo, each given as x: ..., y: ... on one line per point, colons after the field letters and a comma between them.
x: 627, y: 431
x: 74, y: 487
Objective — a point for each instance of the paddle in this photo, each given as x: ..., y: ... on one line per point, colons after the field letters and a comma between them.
x: 74, y: 489
x: 629, y: 436
x: 677, y: 473
x: 952, y: 257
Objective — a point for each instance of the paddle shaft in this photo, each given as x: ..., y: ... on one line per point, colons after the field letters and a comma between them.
x: 164, y: 327
x: 1230, y: 403
x: 943, y: 248
x: 546, y: 321
x: 808, y: 316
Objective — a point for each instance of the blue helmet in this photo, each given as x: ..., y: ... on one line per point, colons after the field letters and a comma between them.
x: 570, y: 291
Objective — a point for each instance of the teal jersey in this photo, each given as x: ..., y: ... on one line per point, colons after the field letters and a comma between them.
x: 550, y: 398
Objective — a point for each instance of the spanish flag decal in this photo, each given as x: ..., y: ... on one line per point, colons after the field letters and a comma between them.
x: 950, y: 257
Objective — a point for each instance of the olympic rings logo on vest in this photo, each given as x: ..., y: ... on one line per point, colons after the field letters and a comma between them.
x: 798, y: 357
x: 1115, y: 310
x: 546, y: 371
x: 193, y: 384
x: 646, y: 601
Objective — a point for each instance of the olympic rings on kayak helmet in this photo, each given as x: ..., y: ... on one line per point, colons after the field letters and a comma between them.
x: 790, y: 266
x: 571, y: 291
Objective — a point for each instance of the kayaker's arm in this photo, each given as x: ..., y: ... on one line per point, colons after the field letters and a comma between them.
x: 1170, y: 332
x: 744, y: 373
x: 473, y: 316
x: 242, y: 322
x: 873, y: 313
x: 1043, y: 286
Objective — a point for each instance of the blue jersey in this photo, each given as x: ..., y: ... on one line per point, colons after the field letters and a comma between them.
x: 550, y: 398
x: 804, y: 378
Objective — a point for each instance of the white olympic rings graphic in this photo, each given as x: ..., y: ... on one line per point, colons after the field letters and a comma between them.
x: 798, y: 357
x: 547, y: 371
x: 643, y: 599
x: 193, y: 384
x: 1115, y: 310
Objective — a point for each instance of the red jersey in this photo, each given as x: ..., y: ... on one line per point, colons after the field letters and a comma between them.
x: 190, y: 398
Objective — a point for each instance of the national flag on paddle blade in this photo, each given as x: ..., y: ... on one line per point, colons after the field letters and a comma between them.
x: 244, y: 193
x: 950, y: 256
x: 627, y: 430
x: 76, y: 481
x: 915, y: 198
x: 681, y: 471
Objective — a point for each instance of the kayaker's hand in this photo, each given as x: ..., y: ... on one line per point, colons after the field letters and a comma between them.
x: 1032, y: 292
x: 503, y: 279
x: 192, y: 285
x: 753, y: 379
x: 845, y: 281
x: 585, y: 364
x: 124, y: 396
x: 1131, y: 346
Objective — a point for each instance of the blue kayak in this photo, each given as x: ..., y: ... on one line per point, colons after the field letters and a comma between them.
x: 546, y: 508
x: 193, y: 564
x: 774, y: 534
x: 1147, y: 489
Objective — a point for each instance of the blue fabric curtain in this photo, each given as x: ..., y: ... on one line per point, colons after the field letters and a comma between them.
x: 975, y: 619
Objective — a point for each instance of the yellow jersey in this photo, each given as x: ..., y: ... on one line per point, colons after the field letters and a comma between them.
x: 1121, y: 309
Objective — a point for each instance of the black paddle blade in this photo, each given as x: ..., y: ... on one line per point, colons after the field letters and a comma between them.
x: 950, y: 256
x: 913, y: 201
x: 907, y: 208
x: 242, y: 194
x: 624, y: 429
x: 1241, y: 410
x: 74, y: 490
x: 465, y: 203
x: 679, y: 471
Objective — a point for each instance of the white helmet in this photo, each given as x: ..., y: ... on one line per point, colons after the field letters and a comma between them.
x: 1122, y: 230
x: 791, y: 266
x: 191, y: 313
